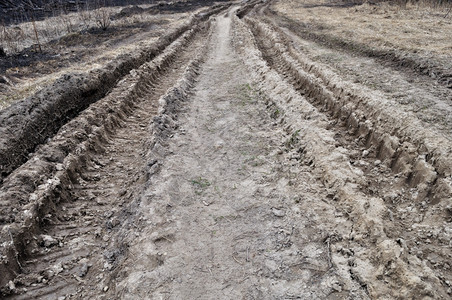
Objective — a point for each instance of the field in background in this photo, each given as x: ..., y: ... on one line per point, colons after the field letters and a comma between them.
x: 36, y: 53
x: 19, y: 11
x: 414, y: 28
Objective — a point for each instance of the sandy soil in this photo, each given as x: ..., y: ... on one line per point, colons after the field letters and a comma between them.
x: 244, y: 161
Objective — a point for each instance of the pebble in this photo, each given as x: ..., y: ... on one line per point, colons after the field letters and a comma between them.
x: 83, y: 270
x: 336, y: 287
x: 57, y: 268
x: 278, y: 212
x: 48, y: 241
x: 105, y: 288
x: 115, y: 222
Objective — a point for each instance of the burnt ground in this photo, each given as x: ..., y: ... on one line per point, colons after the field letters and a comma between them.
x: 69, y: 49
x: 234, y: 158
x: 84, y: 39
x: 14, y: 12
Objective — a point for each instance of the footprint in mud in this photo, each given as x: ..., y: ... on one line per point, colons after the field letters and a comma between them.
x: 165, y: 239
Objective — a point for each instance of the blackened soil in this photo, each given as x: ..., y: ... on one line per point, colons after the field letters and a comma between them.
x: 15, y: 12
x: 64, y: 51
x: 19, y: 11
x: 26, y: 58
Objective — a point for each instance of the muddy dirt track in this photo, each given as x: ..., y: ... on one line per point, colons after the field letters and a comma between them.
x: 226, y: 163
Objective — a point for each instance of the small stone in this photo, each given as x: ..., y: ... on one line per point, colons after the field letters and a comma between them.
x: 108, y: 266
x: 377, y: 162
x: 83, y: 270
x: 278, y: 212
x: 48, y: 241
x: 336, y: 286
x: 113, y: 223
x: 365, y: 153
x: 11, y: 285
x: 105, y: 288
x: 57, y: 268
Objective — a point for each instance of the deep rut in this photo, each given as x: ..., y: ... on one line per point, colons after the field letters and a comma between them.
x: 78, y: 243
x: 383, y: 184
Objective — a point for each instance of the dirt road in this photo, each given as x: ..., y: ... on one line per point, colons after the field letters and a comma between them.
x: 233, y: 166
x: 223, y: 217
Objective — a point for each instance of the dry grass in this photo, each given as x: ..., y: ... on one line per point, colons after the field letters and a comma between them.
x: 15, y: 38
x: 103, y: 53
x: 416, y: 28
x: 18, y: 37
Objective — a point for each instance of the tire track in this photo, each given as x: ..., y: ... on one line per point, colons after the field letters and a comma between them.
x: 342, y: 170
x: 221, y: 219
x: 269, y: 178
x: 31, y: 122
x: 409, y: 62
x: 75, y: 235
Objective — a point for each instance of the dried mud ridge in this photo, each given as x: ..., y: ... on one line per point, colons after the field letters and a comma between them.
x: 71, y: 210
x: 32, y: 121
x: 28, y: 194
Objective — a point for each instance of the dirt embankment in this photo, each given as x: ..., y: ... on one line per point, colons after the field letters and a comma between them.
x: 416, y: 156
x: 57, y: 161
x: 33, y: 120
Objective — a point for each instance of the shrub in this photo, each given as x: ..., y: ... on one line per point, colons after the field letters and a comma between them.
x: 102, y: 17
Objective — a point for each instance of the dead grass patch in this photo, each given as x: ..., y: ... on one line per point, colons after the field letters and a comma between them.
x: 414, y: 28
